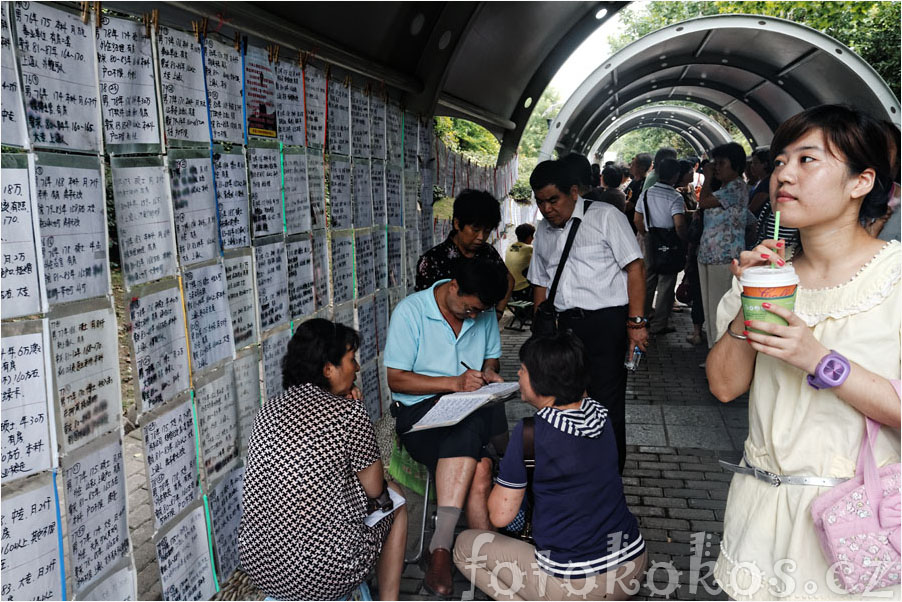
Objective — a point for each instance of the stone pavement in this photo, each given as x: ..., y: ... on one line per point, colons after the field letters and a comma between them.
x: 676, y: 431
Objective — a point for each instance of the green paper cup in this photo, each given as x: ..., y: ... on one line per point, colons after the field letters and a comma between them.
x: 777, y: 286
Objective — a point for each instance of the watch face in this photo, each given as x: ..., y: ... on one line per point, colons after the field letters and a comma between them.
x: 833, y: 370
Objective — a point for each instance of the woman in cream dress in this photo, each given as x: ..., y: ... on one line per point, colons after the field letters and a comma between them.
x: 832, y: 165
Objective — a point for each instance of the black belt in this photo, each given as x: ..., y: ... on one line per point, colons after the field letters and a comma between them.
x: 577, y: 313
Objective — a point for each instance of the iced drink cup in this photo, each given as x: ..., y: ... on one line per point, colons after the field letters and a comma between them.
x: 764, y: 284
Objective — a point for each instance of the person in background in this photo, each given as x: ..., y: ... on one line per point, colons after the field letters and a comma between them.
x: 760, y: 168
x: 312, y: 470
x: 517, y: 260
x: 813, y: 381
x: 639, y: 167
x: 684, y: 184
x: 609, y: 193
x: 665, y: 152
x: 581, y: 170
x: 596, y: 175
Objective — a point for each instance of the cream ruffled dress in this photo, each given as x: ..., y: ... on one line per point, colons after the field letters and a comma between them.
x: 797, y: 430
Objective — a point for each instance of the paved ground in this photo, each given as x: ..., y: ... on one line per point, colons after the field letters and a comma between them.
x: 676, y: 431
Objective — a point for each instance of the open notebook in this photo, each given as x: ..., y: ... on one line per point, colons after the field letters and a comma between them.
x: 454, y: 407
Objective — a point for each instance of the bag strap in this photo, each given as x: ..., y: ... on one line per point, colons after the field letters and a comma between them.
x: 566, y: 253
x: 647, y: 212
x: 529, y: 454
x: 867, y: 465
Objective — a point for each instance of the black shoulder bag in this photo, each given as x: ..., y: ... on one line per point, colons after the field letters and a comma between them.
x: 665, y: 251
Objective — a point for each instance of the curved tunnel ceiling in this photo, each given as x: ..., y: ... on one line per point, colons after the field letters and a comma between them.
x: 757, y: 71
x: 698, y: 129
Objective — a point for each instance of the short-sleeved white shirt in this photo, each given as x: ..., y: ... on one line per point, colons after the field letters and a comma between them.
x: 663, y: 203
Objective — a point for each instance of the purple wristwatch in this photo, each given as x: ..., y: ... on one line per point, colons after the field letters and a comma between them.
x: 831, y: 371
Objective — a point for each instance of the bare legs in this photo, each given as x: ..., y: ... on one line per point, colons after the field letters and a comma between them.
x: 391, y: 561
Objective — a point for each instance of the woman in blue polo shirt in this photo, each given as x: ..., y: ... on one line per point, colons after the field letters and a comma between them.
x: 588, y: 544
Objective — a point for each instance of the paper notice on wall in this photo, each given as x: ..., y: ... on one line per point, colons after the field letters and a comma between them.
x: 144, y: 220
x: 169, y: 449
x: 297, y: 198
x: 340, y: 193
x: 271, y: 268
x: 127, y: 92
x: 161, y: 349
x: 315, y: 105
x: 247, y: 393
x: 31, y: 543
x: 300, y: 276
x: 344, y: 313
x: 182, y: 88
x: 360, y: 123
x: 290, y: 103
x: 366, y: 325
x: 342, y: 266
x: 225, y: 511
x: 363, y: 195
x: 260, y: 97
x: 217, y: 419
x: 209, y: 321
x: 393, y: 134
x: 322, y: 283
x: 13, y: 125
x: 394, y: 199
x: 411, y: 253
x: 339, y: 126
x: 274, y: 347
x: 316, y: 188
x: 395, y: 257
x: 377, y: 187
x: 29, y: 442
x: 86, y: 364
x: 266, y: 190
x: 364, y: 262
x: 183, y: 554
x: 231, y: 190
x: 239, y: 270
x: 382, y: 314
x: 121, y: 584
x: 58, y: 62
x: 411, y: 194
x: 22, y: 281
x: 377, y: 127
x: 411, y: 140
x: 94, y: 480
x: 191, y: 178
x: 369, y: 385
x: 223, y: 72
x: 380, y: 257
x: 70, y: 194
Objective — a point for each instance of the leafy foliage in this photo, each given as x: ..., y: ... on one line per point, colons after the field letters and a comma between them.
x: 470, y: 139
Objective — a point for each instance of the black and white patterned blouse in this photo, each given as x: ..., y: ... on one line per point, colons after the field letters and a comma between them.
x: 438, y: 262
x: 302, y: 535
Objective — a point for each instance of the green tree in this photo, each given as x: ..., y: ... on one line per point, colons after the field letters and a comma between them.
x: 534, y: 135
x: 649, y: 140
x: 470, y: 139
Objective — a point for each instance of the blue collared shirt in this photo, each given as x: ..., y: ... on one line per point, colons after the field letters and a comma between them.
x: 420, y: 340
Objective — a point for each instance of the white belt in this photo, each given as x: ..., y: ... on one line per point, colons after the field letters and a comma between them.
x: 779, y: 479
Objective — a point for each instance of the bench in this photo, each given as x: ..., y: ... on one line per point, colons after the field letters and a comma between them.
x: 522, y: 311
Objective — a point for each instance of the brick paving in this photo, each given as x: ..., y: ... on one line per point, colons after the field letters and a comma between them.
x: 676, y: 432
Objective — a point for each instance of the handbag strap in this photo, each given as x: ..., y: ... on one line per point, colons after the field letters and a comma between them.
x: 566, y: 253
x: 867, y: 465
x: 529, y: 454
x: 647, y: 212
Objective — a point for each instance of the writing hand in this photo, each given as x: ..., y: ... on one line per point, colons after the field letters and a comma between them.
x: 470, y: 381
x: 491, y: 376
x: 794, y: 343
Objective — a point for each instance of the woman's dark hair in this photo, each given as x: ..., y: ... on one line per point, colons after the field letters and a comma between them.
x: 482, y: 277
x: 524, y: 231
x: 853, y: 136
x: 477, y: 208
x: 556, y: 366
x: 762, y: 153
x: 686, y: 165
x: 552, y: 172
x: 732, y: 152
x: 611, y: 177
x: 316, y: 342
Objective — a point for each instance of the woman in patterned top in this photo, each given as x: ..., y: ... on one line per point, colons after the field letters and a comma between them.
x: 312, y: 464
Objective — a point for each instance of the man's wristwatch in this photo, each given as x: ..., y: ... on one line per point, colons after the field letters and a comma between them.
x: 831, y: 371
x: 636, y: 322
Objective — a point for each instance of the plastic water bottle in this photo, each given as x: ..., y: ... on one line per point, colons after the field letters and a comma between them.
x: 633, y: 362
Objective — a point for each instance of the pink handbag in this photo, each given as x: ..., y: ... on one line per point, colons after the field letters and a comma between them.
x: 858, y: 522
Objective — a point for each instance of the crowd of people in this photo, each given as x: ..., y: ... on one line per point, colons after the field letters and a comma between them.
x: 601, y: 268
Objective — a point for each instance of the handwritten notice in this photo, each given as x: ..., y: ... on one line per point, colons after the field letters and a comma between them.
x: 380, y: 258
x: 411, y: 192
x: 342, y: 266
x: 127, y: 93
x: 31, y: 551
x: 183, y: 554
x: 411, y: 140
x: 171, y: 462
x: 247, y: 393
x: 377, y: 189
x: 28, y: 443
x: 209, y: 323
x: 22, y: 271
x: 161, y: 351
x: 393, y: 134
x: 365, y: 271
x: 411, y: 254
x: 223, y: 72
x: 322, y: 285
x: 300, y: 277
x: 144, y: 220
x: 239, y: 271
x: 260, y: 85
x: 182, y: 86
x: 340, y: 193
x: 394, y: 202
x: 120, y: 584
x: 360, y: 123
x: 274, y: 347
x: 226, y: 510
x: 58, y: 62
x: 290, y: 103
x: 395, y: 257
x: 297, y: 200
x: 315, y: 105
x: 272, y: 284
x: 363, y: 200
x: 316, y: 187
x: 231, y: 189
x: 266, y: 190
x: 343, y: 313
x: 369, y: 385
x: 427, y: 238
x: 86, y: 362
x: 381, y: 310
x: 13, y: 125
x: 377, y: 127
x: 383, y: 388
x: 73, y: 226
x: 191, y: 179
x: 217, y: 417
x: 425, y: 151
x: 95, y: 509
x: 339, y: 116
x: 366, y: 324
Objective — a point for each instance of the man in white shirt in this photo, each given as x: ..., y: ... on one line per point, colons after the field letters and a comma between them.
x: 601, y: 292
x: 666, y: 209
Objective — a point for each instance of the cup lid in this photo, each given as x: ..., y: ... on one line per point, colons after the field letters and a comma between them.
x: 767, y: 276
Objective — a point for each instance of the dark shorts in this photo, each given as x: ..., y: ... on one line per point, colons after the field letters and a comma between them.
x: 467, y: 438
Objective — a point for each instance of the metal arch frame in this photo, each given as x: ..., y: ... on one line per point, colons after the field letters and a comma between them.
x: 698, y: 146
x: 710, y: 133
x: 593, y: 85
